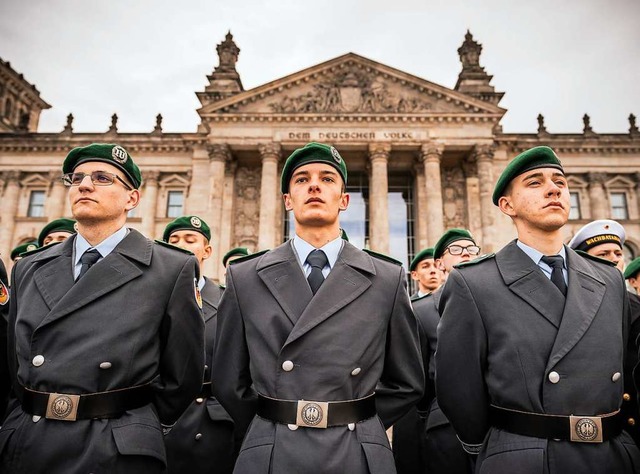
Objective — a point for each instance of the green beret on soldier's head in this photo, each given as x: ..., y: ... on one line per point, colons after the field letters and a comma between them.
x: 58, y: 225
x: 632, y: 269
x: 531, y: 159
x: 450, y: 236
x: 187, y: 223
x: 109, y: 153
x: 236, y: 252
x: 22, y: 248
x: 312, y: 153
x: 420, y: 256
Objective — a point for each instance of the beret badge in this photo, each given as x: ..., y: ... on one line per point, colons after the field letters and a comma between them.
x: 119, y: 154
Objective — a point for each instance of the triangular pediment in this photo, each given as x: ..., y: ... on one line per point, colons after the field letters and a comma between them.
x: 351, y: 85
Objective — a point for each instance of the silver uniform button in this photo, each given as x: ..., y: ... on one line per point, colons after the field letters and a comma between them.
x: 38, y: 360
x: 198, y: 436
x: 554, y: 377
x: 199, y: 400
x: 292, y: 427
x: 615, y: 377
x: 287, y: 366
x: 356, y: 371
x: 105, y: 365
x: 35, y: 418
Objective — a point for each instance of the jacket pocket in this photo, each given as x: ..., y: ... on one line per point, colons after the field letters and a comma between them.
x: 522, y: 461
x: 140, y: 439
x: 217, y: 412
x: 379, y: 458
x: 5, y: 436
x: 254, y: 459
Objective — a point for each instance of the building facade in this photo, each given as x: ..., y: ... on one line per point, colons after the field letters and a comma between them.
x: 422, y: 158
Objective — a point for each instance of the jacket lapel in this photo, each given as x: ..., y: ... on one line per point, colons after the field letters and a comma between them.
x: 585, y: 293
x: 281, y: 273
x: 115, y: 270
x: 210, y: 299
x: 525, y: 279
x: 55, y: 277
x: 344, y: 284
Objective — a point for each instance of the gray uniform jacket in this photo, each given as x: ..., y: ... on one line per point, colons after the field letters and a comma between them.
x: 5, y: 381
x: 202, y: 439
x: 356, y: 336
x: 131, y: 319
x: 525, y: 349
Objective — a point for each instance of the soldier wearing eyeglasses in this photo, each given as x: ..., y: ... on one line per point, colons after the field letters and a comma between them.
x: 106, y: 336
x: 530, y: 358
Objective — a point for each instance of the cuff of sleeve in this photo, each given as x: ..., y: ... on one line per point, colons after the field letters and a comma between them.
x: 472, y: 449
x: 166, y: 428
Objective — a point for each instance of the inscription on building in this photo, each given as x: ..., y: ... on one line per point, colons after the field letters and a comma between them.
x: 351, y: 135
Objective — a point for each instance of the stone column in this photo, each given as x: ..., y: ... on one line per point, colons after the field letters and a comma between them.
x: 431, y: 156
x: 270, y: 155
x: 379, y: 197
x: 421, y: 209
x: 198, y: 201
x: 472, y: 183
x: 483, y: 155
x: 57, y: 197
x: 149, y: 203
x: 598, y: 201
x: 219, y: 154
x: 227, y: 239
x: 8, y: 215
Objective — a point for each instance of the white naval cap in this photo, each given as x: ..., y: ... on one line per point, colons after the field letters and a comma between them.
x: 598, y: 232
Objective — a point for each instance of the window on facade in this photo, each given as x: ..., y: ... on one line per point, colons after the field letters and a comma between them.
x: 36, y: 204
x: 575, y: 213
x: 8, y: 108
x: 175, y: 202
x: 619, y: 206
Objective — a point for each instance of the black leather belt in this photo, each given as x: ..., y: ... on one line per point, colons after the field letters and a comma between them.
x: 68, y: 407
x: 312, y: 414
x: 206, y: 390
x: 580, y: 429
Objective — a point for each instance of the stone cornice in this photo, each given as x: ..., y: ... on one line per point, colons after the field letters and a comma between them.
x: 613, y: 143
x: 351, y: 118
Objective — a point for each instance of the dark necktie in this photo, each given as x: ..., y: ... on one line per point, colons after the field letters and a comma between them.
x: 556, y: 263
x: 317, y: 259
x: 87, y: 260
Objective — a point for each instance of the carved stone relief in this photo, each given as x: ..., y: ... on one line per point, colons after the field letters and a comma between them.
x: 454, y: 197
x: 248, y: 207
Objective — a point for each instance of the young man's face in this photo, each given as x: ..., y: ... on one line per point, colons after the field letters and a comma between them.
x: 192, y: 241
x: 59, y: 236
x: 457, y: 252
x: 538, y: 199
x: 91, y: 204
x: 427, y: 275
x: 635, y: 283
x: 316, y: 195
x: 609, y: 251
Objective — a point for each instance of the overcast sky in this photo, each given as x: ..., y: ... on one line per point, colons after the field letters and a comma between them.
x: 138, y: 58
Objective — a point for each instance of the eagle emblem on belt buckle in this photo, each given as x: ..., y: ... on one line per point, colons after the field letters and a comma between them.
x: 312, y: 414
x: 586, y: 429
x: 62, y: 407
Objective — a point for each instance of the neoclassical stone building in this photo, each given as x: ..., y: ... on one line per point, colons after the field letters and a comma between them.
x: 422, y: 158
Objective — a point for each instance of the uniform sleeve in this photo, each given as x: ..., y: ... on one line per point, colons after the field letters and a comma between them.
x: 182, y: 346
x: 402, y: 381
x: 461, y: 362
x: 231, y: 381
x: 5, y: 353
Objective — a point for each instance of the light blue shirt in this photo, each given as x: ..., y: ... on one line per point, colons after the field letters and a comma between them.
x: 104, y: 248
x: 536, y: 256
x: 331, y: 249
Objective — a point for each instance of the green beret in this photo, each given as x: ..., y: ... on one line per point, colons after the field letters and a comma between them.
x: 58, y: 225
x: 448, y: 238
x: 236, y: 252
x: 22, y: 248
x: 312, y: 153
x: 422, y: 255
x: 186, y: 223
x: 632, y: 269
x: 107, y: 153
x: 531, y: 159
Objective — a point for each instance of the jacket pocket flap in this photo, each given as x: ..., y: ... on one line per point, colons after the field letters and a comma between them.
x: 140, y: 439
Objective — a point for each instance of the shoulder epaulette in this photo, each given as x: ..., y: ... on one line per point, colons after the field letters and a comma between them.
x: 248, y: 257
x: 382, y: 256
x: 174, y: 247
x: 39, y: 249
x: 594, y: 258
x: 475, y: 261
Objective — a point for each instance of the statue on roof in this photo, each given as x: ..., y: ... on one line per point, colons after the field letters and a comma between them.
x: 228, y: 54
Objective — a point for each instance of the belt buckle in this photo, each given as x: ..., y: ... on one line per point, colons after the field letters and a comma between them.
x: 62, y: 406
x: 586, y: 429
x: 312, y: 414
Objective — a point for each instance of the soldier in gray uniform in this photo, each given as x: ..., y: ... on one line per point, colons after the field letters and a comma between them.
x: 5, y: 381
x: 537, y: 385
x: 202, y: 439
x: 317, y: 347
x: 105, y: 335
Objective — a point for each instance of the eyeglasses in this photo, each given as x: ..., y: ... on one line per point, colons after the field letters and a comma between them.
x: 458, y: 249
x: 98, y: 178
